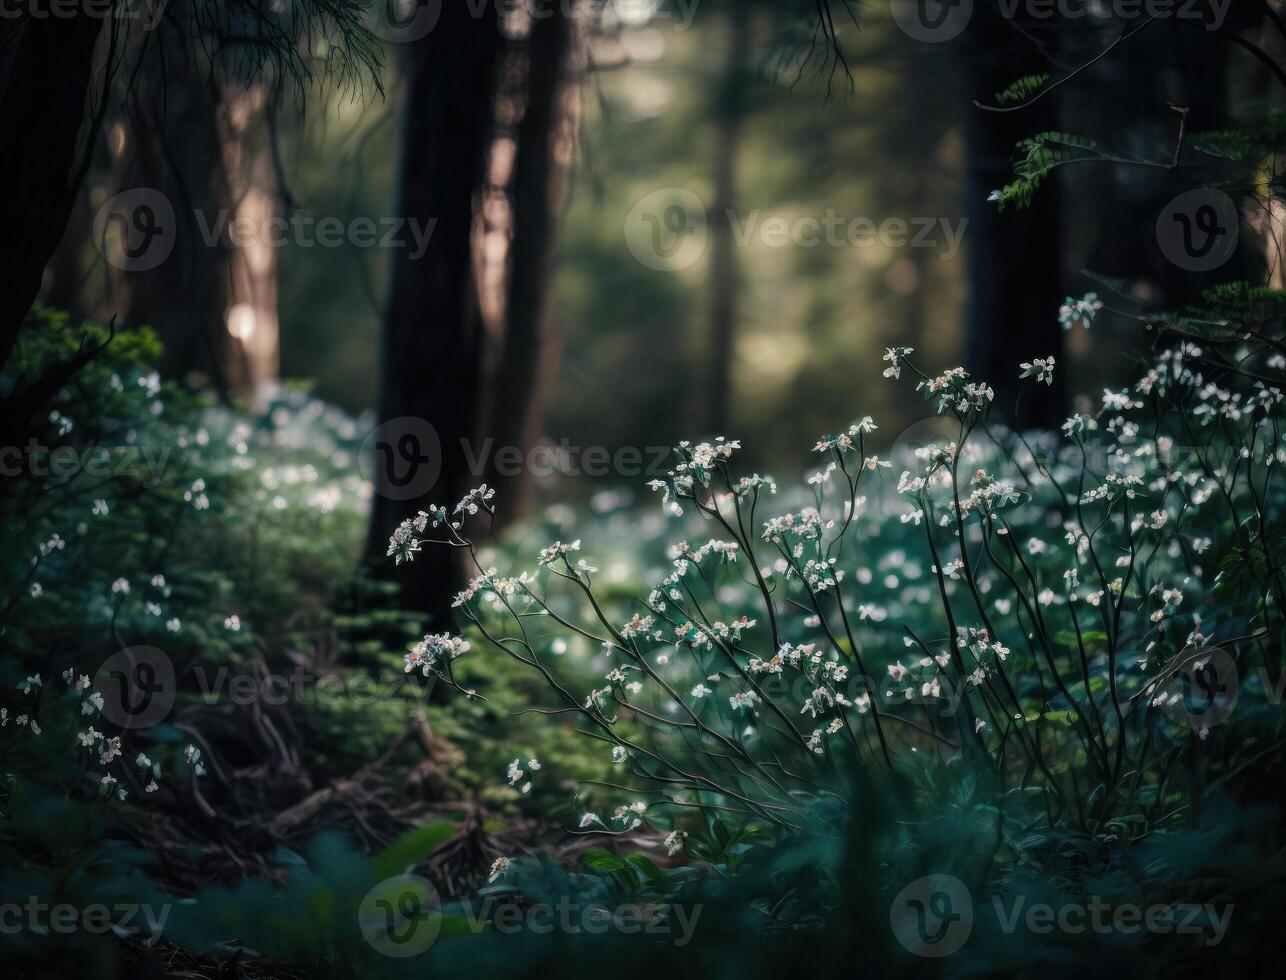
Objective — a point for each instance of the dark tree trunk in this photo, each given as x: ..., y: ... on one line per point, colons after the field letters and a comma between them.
x: 431, y: 361
x: 173, y: 146
x: 69, y: 267
x: 730, y: 111
x: 526, y: 359
x: 46, y: 80
x: 1014, y: 256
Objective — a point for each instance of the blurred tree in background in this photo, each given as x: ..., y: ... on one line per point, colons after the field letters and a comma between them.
x: 528, y: 137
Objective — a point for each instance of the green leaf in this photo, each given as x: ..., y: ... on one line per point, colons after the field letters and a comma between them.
x: 652, y: 874
x: 597, y: 859
x: 1022, y: 89
x: 411, y: 848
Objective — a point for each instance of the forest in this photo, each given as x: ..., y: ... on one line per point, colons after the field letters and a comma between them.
x: 525, y: 487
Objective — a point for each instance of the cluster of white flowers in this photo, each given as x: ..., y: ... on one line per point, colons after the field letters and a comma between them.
x: 516, y: 774
x: 474, y: 500
x: 433, y: 650
x: 1079, y: 312
x: 895, y: 356
x: 847, y: 442
x: 1041, y: 367
x: 987, y: 551
x: 551, y: 554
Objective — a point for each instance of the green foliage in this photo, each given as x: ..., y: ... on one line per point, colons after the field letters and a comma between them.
x: 1254, y: 143
x: 1022, y: 89
x: 1038, y: 156
x: 1034, y: 807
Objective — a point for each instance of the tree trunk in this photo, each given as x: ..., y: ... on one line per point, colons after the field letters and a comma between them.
x: 730, y: 112
x: 173, y: 145
x: 1015, y: 256
x: 249, y: 307
x: 46, y: 82
x: 526, y: 360
x: 431, y: 360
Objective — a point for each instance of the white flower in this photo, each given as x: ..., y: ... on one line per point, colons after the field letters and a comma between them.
x: 515, y: 772
x: 674, y: 842
x: 31, y: 682
x: 498, y: 868
x: 109, y: 749
x: 1041, y: 367
x: 1079, y: 312
x: 92, y: 703
x: 894, y: 356
x: 618, y: 753
x: 434, y: 649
